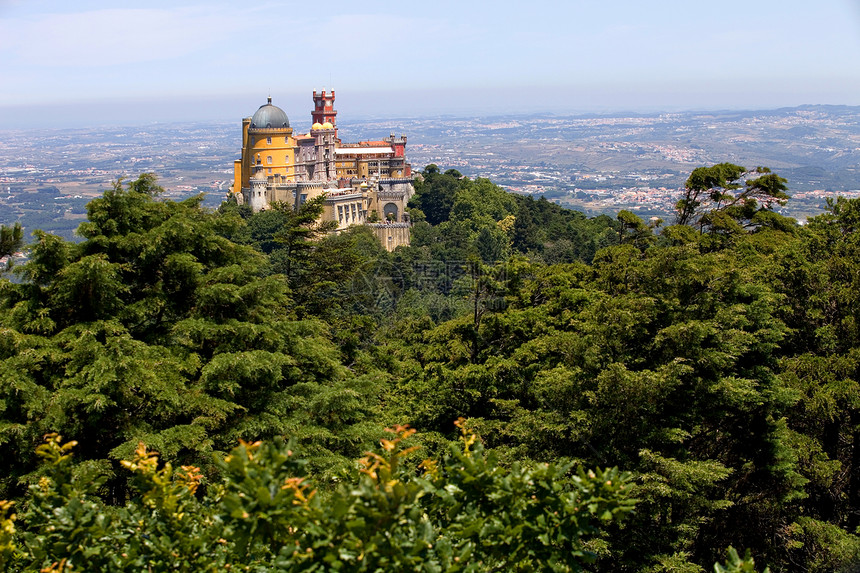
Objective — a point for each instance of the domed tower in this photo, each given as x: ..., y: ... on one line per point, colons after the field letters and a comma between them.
x: 266, y: 135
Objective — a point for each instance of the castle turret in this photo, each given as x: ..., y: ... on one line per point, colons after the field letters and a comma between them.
x: 257, y: 191
x: 325, y: 143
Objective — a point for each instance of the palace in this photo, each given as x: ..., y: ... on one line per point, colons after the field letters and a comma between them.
x: 364, y: 183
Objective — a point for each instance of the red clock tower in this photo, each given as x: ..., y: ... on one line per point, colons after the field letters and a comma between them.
x: 324, y: 109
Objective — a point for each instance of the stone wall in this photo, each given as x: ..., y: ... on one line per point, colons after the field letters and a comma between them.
x: 391, y: 235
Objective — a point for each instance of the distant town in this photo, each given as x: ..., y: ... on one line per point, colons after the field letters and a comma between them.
x: 597, y: 164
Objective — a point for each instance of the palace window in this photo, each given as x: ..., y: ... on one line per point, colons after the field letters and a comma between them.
x: 269, y: 140
x: 269, y: 160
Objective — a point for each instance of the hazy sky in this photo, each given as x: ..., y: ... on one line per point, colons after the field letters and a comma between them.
x: 67, y: 62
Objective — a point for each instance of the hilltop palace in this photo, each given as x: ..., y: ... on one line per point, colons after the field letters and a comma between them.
x: 364, y: 183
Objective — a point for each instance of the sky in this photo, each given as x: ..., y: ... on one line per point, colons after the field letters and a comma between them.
x: 88, y: 62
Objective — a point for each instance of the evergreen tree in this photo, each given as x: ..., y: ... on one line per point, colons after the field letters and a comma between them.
x: 158, y: 328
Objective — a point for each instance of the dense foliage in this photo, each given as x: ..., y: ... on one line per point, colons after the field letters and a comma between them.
x: 265, y: 516
x: 158, y: 328
x: 716, y: 360
x: 458, y: 218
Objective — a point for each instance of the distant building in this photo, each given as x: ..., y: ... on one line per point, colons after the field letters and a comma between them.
x: 362, y: 182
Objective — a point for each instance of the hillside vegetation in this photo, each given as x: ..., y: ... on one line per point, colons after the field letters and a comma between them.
x: 589, y: 394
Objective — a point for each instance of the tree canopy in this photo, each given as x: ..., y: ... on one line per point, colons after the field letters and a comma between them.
x: 727, y: 198
x: 714, y: 362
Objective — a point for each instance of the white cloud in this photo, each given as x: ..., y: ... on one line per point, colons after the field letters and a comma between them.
x: 373, y: 37
x: 111, y: 37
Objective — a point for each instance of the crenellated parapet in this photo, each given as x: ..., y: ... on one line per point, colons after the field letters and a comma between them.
x: 391, y: 235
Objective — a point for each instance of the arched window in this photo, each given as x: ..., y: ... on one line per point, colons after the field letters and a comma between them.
x: 390, y: 211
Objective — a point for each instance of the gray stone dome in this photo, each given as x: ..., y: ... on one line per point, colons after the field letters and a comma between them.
x: 269, y: 117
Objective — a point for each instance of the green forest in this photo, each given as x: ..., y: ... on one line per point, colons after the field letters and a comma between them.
x: 523, y: 388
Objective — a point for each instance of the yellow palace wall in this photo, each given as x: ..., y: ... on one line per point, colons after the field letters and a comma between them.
x: 281, y: 150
